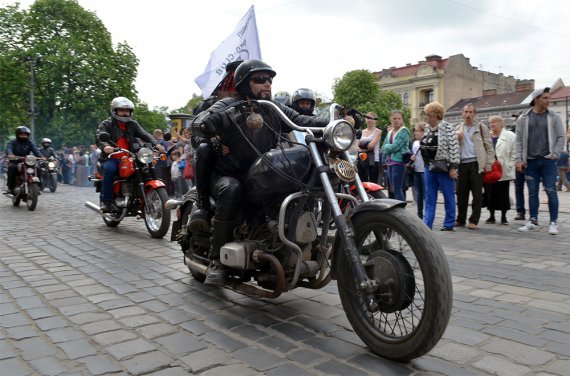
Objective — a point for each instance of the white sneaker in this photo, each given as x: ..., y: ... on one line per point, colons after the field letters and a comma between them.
x: 553, y: 229
x: 530, y: 226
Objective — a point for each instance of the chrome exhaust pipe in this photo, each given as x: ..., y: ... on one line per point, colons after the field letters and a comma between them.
x: 200, y: 268
x: 93, y: 206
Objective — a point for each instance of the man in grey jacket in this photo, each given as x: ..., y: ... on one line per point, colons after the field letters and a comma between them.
x: 539, y: 142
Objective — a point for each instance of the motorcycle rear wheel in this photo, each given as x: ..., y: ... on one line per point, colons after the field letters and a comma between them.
x: 408, y: 314
x: 158, y: 220
x: 32, y: 200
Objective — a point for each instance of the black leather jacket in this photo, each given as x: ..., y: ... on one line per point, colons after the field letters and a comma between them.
x: 134, y: 131
x: 242, y: 155
x: 49, y: 152
x: 21, y: 149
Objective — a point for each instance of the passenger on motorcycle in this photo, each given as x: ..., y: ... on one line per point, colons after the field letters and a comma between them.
x: 303, y: 101
x: 234, y: 155
x: 124, y: 131
x: 20, y: 147
x: 46, y: 150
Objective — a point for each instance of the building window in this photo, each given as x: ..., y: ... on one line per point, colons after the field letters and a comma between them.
x: 406, y: 99
x: 430, y: 96
x: 426, y: 96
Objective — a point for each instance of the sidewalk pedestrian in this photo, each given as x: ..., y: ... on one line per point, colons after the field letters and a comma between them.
x: 539, y: 142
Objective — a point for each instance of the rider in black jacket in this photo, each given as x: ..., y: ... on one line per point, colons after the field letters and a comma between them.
x: 124, y: 132
x: 224, y: 129
x: 20, y: 147
x: 46, y: 150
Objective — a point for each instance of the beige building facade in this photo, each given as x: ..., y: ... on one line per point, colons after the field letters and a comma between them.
x: 444, y: 80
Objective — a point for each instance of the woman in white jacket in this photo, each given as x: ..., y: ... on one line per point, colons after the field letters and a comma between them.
x: 497, y: 194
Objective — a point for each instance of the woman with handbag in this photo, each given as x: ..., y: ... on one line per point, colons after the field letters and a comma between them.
x: 497, y: 194
x: 396, y: 152
x: 369, y: 143
x: 440, y: 151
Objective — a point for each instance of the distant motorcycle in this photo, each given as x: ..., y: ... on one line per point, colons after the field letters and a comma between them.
x: 136, y: 191
x: 48, y: 174
x: 27, y: 182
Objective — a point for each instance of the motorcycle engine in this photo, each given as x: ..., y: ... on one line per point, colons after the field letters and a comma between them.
x: 238, y: 255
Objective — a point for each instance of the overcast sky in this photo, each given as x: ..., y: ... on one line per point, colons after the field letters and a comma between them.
x: 311, y: 42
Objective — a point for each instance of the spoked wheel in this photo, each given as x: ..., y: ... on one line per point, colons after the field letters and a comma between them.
x: 407, y: 315
x: 32, y: 200
x: 157, y: 220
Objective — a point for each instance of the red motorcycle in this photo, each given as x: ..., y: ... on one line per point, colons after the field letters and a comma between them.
x: 27, y: 182
x: 136, y: 191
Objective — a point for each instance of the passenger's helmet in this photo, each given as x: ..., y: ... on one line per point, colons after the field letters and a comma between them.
x: 122, y: 102
x: 46, y: 142
x: 283, y: 97
x: 303, y: 93
x: 22, y: 130
x: 245, y: 69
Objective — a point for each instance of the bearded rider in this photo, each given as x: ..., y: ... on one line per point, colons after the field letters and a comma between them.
x: 20, y: 147
x: 234, y: 155
x: 123, y: 131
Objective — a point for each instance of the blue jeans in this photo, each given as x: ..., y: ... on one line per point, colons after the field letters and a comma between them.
x: 545, y: 169
x: 435, y: 181
x: 419, y: 192
x: 519, y: 193
x: 396, y: 180
x: 110, y: 169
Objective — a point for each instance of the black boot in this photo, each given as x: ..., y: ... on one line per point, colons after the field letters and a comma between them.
x: 217, y: 273
x: 200, y: 219
x: 105, y: 206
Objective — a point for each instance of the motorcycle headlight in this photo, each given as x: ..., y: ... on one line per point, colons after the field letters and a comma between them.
x: 145, y: 155
x: 30, y: 171
x: 339, y: 135
x: 51, y: 165
x: 30, y: 160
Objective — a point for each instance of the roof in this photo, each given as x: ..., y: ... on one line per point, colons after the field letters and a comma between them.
x: 563, y: 92
x: 499, y: 100
x: 412, y: 70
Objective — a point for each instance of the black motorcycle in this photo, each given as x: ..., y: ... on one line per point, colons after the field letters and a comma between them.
x: 48, y: 171
x: 393, y: 278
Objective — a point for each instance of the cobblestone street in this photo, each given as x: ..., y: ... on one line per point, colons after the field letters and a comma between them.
x: 80, y: 298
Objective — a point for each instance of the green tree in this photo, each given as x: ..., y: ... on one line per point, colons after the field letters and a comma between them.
x: 358, y: 89
x: 77, y: 70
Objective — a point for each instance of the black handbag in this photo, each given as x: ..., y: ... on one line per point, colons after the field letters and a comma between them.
x: 438, y: 165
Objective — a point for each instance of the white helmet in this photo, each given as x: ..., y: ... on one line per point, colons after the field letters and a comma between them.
x: 122, y: 102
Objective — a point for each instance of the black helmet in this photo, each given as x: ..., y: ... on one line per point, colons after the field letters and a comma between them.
x: 245, y: 69
x: 122, y: 102
x: 283, y: 97
x: 307, y: 94
x: 23, y: 129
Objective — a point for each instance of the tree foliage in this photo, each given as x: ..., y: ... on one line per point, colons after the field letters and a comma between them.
x: 77, y: 70
x: 358, y: 89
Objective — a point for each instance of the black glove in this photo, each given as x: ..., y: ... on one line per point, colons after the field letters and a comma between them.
x: 216, y: 145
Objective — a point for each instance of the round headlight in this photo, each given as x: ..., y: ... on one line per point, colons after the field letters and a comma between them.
x: 30, y: 160
x: 145, y: 155
x: 51, y: 165
x: 339, y: 135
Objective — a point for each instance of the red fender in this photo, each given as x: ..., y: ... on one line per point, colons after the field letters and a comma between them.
x: 153, y: 184
x: 369, y: 187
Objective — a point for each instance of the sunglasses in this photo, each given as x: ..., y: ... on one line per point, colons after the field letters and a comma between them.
x: 262, y: 79
x: 371, y: 118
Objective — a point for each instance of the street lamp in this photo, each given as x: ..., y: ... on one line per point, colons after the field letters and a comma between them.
x: 32, y: 60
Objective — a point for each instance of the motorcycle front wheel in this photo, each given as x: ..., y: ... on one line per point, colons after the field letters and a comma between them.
x: 32, y: 199
x: 157, y: 219
x: 52, y: 183
x: 409, y: 312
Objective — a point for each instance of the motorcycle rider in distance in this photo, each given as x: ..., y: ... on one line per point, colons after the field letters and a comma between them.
x: 234, y: 155
x: 20, y: 147
x: 304, y: 101
x: 46, y: 150
x: 124, y: 132
x: 283, y: 97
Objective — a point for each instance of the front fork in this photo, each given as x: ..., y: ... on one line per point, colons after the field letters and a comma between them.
x: 343, y: 230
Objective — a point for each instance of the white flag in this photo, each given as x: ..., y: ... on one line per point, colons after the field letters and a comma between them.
x: 242, y: 44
